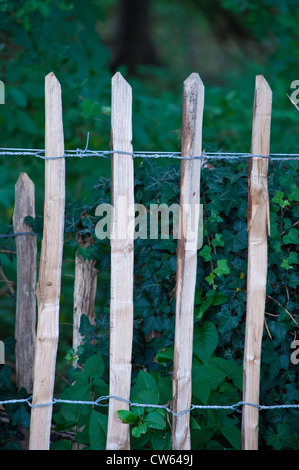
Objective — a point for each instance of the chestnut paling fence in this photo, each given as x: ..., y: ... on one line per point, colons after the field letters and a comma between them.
x: 36, y: 345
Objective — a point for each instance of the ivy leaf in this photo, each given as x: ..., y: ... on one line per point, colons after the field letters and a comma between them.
x: 294, y: 196
x: 236, y: 240
x: 278, y: 199
x: 86, y: 328
x: 210, y: 279
x: 226, y: 320
x: 281, y: 438
x: 222, y: 267
x: 291, y: 237
x: 5, y: 378
x: 205, y: 341
x: 217, y: 241
x: 205, y: 253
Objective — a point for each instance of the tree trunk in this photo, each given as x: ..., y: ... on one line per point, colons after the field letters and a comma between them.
x: 132, y: 44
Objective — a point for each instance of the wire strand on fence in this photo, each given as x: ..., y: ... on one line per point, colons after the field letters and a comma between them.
x: 13, y: 235
x: 166, y: 407
x: 79, y: 153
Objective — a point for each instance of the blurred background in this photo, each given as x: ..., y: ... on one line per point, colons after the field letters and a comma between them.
x: 155, y: 44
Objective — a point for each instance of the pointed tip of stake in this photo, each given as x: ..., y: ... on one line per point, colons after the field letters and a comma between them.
x: 23, y: 177
x: 51, y: 77
x: 120, y: 80
x: 194, y: 78
x: 262, y: 84
x: 52, y: 85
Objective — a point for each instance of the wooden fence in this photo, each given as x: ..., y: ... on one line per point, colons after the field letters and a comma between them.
x: 37, y: 351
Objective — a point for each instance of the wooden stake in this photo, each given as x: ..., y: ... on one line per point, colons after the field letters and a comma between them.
x: 258, y: 230
x: 84, y: 290
x: 122, y: 261
x: 193, y: 103
x: 26, y: 283
x: 48, y: 288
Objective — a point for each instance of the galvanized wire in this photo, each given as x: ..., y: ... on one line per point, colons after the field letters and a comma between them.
x: 166, y: 407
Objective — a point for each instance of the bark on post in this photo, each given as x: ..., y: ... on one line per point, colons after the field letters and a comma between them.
x: 26, y: 283
x: 258, y: 231
x: 84, y: 290
x: 49, y: 283
x: 193, y: 103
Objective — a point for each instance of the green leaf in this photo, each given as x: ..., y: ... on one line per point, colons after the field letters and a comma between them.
x: 145, y: 381
x: 294, y: 196
x: 226, y: 320
x: 217, y: 241
x: 204, y: 306
x: 62, y: 444
x: 194, y: 424
x: 205, y: 253
x: 285, y: 264
x: 161, y: 440
x: 291, y: 236
x: 165, y: 355
x: 232, y: 369
x: 5, y: 378
x: 210, y: 375
x: 222, y: 267
x: 127, y: 416
x: 150, y: 397
x: 236, y: 241
x: 205, y: 341
x: 201, y: 389
x: 21, y: 417
x: 281, y: 438
x: 210, y: 279
x: 155, y: 421
x: 98, y: 430
x: 233, y: 435
x: 137, y: 431
x: 86, y: 328
x: 278, y: 199
x: 94, y: 366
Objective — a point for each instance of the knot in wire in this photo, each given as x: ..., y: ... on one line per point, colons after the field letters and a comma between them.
x: 79, y: 152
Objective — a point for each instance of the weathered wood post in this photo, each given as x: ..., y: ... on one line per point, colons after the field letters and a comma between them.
x: 122, y: 262
x: 26, y: 282
x: 193, y: 103
x: 49, y: 283
x: 258, y: 224
x: 85, y: 289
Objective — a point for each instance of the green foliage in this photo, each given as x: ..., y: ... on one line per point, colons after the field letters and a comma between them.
x: 18, y: 414
x: 42, y: 36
